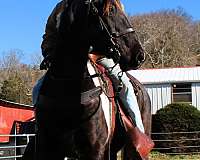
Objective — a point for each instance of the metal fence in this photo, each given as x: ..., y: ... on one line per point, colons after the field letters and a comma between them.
x: 14, y: 149
x: 175, y: 143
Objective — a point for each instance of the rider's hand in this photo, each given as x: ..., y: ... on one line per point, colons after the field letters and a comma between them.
x: 46, y: 63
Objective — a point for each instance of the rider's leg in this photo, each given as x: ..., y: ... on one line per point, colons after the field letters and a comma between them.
x: 129, y: 97
x: 36, y: 90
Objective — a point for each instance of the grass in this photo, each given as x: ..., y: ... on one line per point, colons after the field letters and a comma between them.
x: 159, y: 156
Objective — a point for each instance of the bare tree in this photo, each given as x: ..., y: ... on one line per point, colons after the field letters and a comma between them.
x: 11, y: 60
x: 36, y: 59
x: 167, y: 38
x: 195, y: 46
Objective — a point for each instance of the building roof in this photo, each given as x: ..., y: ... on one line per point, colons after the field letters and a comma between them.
x: 167, y: 75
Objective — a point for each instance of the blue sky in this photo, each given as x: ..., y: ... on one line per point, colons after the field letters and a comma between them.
x: 22, y: 22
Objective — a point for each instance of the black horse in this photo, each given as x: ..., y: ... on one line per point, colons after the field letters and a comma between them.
x: 69, y: 115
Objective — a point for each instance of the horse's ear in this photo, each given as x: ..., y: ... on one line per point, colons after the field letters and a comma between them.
x: 122, y: 6
x: 108, y: 5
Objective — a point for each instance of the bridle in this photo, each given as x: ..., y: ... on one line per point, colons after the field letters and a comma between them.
x: 114, y: 46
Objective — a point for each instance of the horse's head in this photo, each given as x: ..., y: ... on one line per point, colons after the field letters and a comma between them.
x: 119, y: 36
x: 129, y: 46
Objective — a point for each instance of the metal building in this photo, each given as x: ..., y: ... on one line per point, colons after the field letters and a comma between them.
x: 170, y: 85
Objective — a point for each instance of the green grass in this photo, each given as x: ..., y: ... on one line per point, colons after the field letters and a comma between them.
x: 159, y: 156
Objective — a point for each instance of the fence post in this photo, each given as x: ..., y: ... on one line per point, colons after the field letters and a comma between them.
x: 15, y: 140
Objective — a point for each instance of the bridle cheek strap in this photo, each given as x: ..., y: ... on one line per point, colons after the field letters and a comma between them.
x: 127, y: 31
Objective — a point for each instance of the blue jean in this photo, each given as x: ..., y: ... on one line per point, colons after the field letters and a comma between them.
x: 36, y: 89
x: 129, y: 97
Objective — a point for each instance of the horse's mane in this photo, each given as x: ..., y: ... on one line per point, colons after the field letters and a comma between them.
x: 109, y: 3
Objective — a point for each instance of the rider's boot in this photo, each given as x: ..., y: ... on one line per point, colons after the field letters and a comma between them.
x: 139, y: 140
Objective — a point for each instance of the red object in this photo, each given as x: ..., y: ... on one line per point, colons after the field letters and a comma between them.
x: 11, y: 112
x: 139, y: 140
